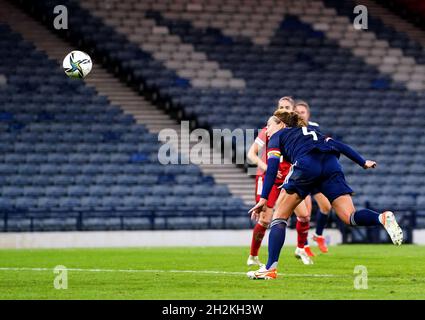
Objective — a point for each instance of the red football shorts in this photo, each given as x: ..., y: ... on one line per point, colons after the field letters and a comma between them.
x: 274, y: 193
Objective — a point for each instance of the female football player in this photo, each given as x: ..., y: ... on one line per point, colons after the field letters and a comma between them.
x: 264, y: 217
x: 315, y: 164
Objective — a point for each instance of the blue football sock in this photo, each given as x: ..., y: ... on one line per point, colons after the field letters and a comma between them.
x: 365, y: 217
x: 276, y: 240
x: 322, y: 220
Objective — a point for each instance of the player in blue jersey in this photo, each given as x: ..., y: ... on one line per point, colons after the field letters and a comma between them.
x: 303, y: 215
x: 315, y: 164
x: 303, y: 110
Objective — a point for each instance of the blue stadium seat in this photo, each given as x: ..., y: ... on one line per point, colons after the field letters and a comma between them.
x: 56, y: 191
x: 25, y: 202
x: 31, y: 191
x: 77, y: 191
x: 11, y: 191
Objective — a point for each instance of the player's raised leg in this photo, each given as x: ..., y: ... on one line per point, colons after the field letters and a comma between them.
x: 346, y: 211
x: 336, y: 189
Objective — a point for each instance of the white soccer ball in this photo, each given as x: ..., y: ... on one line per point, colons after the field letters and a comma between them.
x: 77, y: 64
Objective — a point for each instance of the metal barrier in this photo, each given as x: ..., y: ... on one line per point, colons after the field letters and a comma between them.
x: 21, y: 220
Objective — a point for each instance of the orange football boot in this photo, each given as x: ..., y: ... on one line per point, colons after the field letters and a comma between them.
x: 308, y: 251
x: 321, y: 243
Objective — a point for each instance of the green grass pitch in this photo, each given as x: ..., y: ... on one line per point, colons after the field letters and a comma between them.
x: 211, y: 273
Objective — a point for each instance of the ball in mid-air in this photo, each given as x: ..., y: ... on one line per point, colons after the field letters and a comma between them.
x: 77, y: 64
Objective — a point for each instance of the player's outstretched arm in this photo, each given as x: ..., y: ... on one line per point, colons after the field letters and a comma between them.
x: 270, y: 176
x: 351, y: 154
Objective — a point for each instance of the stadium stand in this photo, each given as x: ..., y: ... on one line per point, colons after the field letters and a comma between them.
x: 360, y: 94
x: 70, y: 160
x: 413, y: 10
x: 217, y: 60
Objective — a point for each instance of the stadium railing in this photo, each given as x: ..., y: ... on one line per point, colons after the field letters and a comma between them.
x: 21, y: 220
x: 79, y: 220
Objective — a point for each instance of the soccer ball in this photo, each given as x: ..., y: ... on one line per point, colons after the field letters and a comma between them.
x: 77, y: 64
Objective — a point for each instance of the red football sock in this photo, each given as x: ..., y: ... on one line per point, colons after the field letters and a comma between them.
x: 302, y: 232
x: 257, y: 237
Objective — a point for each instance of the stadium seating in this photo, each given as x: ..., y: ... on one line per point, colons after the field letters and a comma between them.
x: 399, y: 40
x: 223, y: 66
x: 70, y: 160
x: 350, y: 99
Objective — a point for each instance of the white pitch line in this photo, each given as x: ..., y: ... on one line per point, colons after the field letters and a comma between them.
x: 165, y: 271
